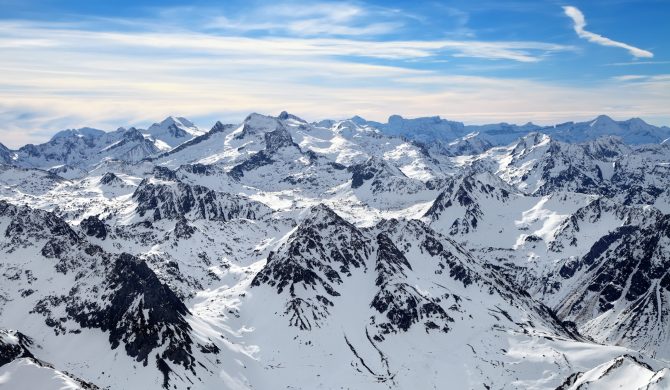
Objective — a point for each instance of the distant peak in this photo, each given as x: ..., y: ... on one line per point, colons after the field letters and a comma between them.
x: 286, y: 116
x: 84, y: 132
x: 173, y: 121
x: 258, y: 122
x: 358, y: 120
x: 423, y: 119
x: 255, y: 116
x: 218, y: 127
x: 173, y: 131
x: 602, y: 119
x: 178, y: 120
x: 185, y: 121
x: 133, y: 134
x: 168, y: 121
x: 637, y: 124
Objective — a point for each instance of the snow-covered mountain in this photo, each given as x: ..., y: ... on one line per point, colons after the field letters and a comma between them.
x: 428, y: 130
x: 278, y: 253
x: 632, y: 131
x: 173, y: 131
x: 85, y: 147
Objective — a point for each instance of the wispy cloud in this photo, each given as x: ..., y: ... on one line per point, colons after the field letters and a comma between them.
x: 580, y: 22
x: 25, y: 34
x: 629, y: 77
x: 638, y: 63
x: 657, y: 78
x: 311, y: 19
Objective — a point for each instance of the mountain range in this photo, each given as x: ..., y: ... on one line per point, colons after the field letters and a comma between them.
x: 280, y: 253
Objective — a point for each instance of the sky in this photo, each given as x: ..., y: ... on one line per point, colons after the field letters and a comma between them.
x: 103, y: 64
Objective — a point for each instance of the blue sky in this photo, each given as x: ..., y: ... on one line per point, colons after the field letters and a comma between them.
x: 108, y: 64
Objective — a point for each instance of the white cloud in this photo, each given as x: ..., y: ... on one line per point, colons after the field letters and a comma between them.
x: 580, y: 22
x: 629, y: 77
x: 311, y: 19
x: 44, y: 35
x: 656, y: 79
x: 638, y: 63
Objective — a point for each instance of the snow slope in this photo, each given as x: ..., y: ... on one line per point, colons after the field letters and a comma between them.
x: 277, y: 253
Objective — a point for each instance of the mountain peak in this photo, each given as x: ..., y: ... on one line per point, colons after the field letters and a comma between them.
x: 218, y: 127
x: 174, y: 130
x: 83, y: 132
x: 603, y: 117
x: 424, y: 129
x: 265, y: 123
x: 173, y: 120
x: 603, y: 121
x: 637, y: 121
x: 284, y: 115
x: 321, y: 209
x: 321, y: 213
x: 133, y: 134
x: 358, y: 120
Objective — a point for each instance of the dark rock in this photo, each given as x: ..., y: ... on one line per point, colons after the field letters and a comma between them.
x: 94, y: 227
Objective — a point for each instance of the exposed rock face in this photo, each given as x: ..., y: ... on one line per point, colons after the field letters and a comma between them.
x: 14, y: 345
x: 117, y: 294
x: 623, y: 278
x: 466, y: 193
x: 26, y: 224
x: 183, y: 230
x: 324, y: 250
x: 176, y: 200
x: 627, y: 368
x: 110, y: 179
x: 401, y: 303
x: 140, y: 312
x: 274, y: 141
x: 94, y: 227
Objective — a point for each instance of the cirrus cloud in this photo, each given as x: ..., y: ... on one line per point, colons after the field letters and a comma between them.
x: 580, y: 22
